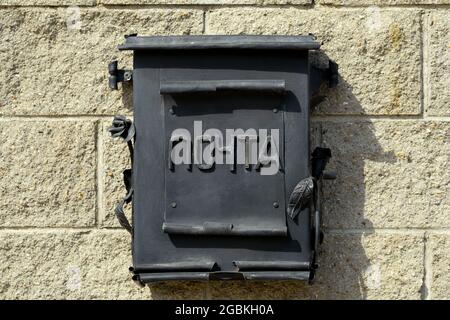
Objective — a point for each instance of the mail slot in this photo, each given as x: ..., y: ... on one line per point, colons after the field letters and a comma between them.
x: 224, y: 182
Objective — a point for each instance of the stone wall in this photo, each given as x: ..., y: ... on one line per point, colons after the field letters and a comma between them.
x: 387, y: 216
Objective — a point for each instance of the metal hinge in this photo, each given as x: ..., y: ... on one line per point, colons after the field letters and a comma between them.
x: 117, y: 75
x: 329, y: 75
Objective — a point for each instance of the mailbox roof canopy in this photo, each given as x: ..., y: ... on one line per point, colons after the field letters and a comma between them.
x: 219, y: 42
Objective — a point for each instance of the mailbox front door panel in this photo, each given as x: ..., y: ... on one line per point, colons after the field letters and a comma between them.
x: 227, y: 198
x: 205, y: 203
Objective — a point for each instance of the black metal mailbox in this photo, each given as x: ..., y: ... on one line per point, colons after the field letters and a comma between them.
x: 223, y: 183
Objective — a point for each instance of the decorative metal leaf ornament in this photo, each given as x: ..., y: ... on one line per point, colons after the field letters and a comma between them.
x: 300, y: 197
x: 122, y: 127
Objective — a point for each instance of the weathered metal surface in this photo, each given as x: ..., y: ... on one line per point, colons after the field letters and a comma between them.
x: 199, y: 220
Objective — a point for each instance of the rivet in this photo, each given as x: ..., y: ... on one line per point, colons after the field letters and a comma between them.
x: 275, y: 204
x: 173, y: 204
x: 275, y: 110
x: 171, y: 111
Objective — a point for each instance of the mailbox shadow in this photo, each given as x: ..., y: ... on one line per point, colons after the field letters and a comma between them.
x: 345, y: 270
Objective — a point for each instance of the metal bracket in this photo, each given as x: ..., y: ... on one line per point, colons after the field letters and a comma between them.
x: 117, y: 75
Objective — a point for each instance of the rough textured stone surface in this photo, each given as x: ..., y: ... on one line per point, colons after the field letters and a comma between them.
x: 76, y: 265
x: 371, y: 266
x: 262, y: 290
x: 391, y: 174
x: 52, y: 69
x: 91, y: 265
x: 352, y: 266
x: 116, y: 158
x: 207, y: 2
x: 48, y: 2
x: 86, y: 265
x: 57, y: 158
x: 378, y: 52
x: 47, y: 173
x: 439, y: 245
x: 380, y: 2
x: 171, y: 290
x: 438, y: 78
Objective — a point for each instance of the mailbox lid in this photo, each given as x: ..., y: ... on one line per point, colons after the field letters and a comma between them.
x: 220, y: 42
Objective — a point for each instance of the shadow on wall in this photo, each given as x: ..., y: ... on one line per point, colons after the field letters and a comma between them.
x: 345, y: 271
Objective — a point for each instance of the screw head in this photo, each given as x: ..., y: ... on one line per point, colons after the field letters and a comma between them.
x: 275, y: 204
x: 127, y: 76
x: 173, y: 204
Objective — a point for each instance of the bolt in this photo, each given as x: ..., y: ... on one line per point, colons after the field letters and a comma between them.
x: 275, y: 204
x: 127, y: 76
x: 173, y: 204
